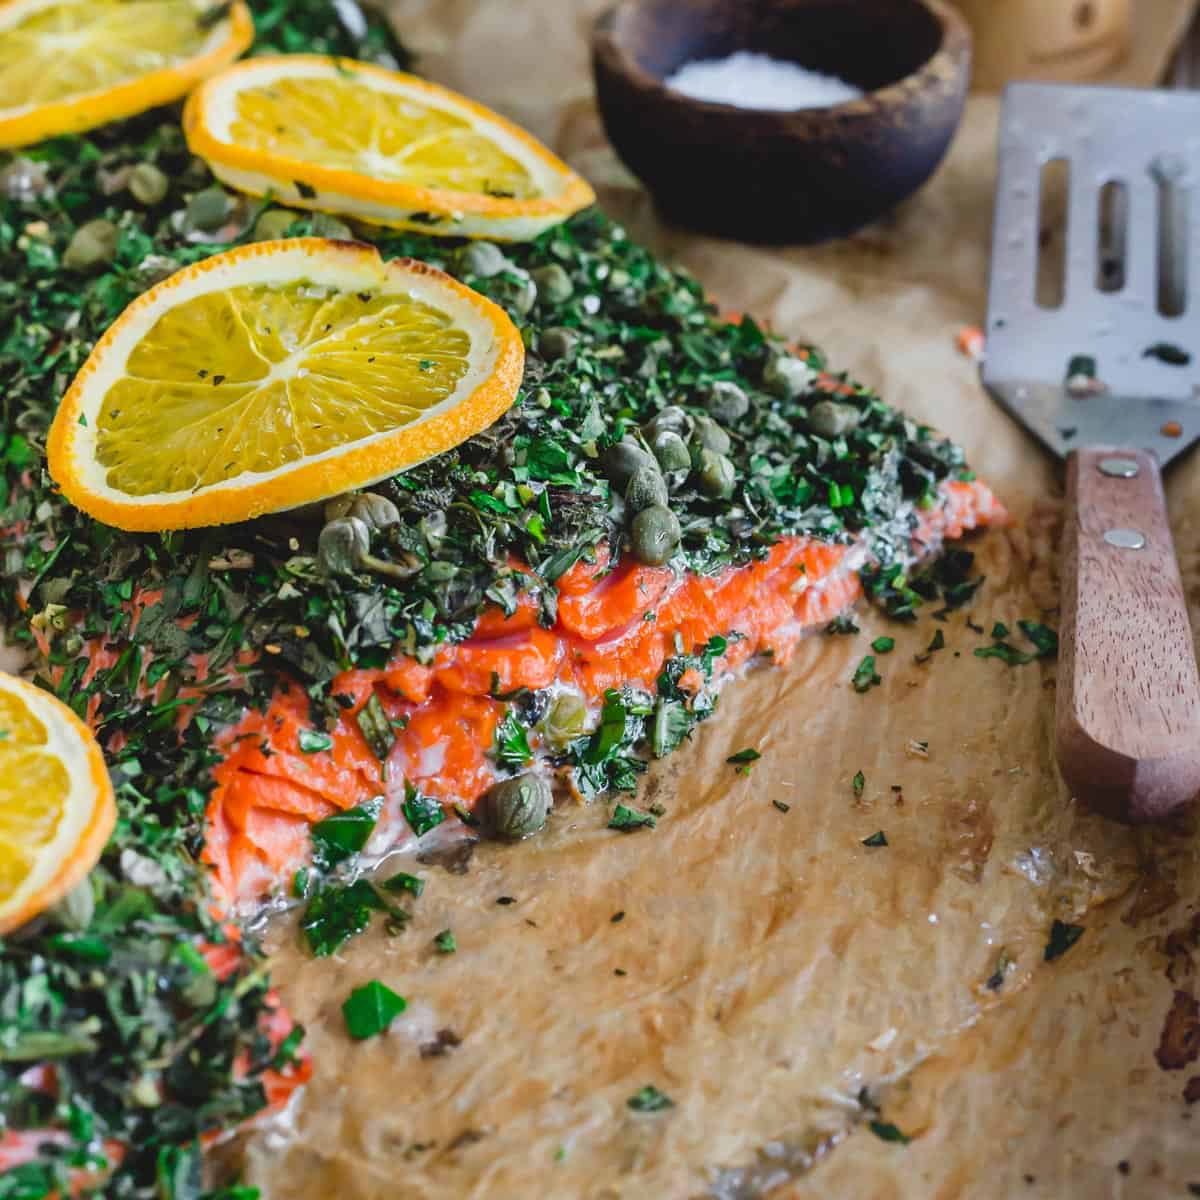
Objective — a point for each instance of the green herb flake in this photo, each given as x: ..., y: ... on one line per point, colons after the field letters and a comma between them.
x: 313, y: 741
x: 445, y: 943
x: 1000, y: 630
x: 402, y: 881
x: 865, y: 678
x: 858, y: 783
x: 628, y: 819
x: 783, y: 808
x: 511, y: 743
x: 649, y: 1099
x: 887, y: 1132
x: 370, y: 1009
x: 748, y: 755
x: 1044, y: 639
x: 1062, y: 937
x: 344, y: 834
x: 336, y: 913
x: 422, y: 813
x: 876, y: 839
x: 376, y: 728
x: 883, y: 645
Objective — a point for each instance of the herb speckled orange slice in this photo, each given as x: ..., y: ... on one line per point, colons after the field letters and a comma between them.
x: 70, y: 65
x: 274, y: 375
x: 382, y: 146
x: 56, y: 801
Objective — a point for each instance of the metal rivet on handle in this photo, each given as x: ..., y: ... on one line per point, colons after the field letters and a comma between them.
x: 1118, y: 468
x: 1125, y: 539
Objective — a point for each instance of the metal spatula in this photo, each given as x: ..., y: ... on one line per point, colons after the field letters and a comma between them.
x: 1109, y: 381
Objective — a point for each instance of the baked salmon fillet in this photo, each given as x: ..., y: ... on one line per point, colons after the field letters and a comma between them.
x: 514, y: 627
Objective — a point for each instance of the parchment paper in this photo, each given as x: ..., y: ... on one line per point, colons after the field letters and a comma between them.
x: 770, y: 965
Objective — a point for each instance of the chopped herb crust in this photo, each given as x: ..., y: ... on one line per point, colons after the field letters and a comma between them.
x: 112, y: 990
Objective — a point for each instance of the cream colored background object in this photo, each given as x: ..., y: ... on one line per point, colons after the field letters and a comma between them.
x: 773, y: 965
x: 1063, y: 40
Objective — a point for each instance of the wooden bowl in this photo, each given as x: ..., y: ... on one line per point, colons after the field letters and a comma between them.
x: 768, y: 175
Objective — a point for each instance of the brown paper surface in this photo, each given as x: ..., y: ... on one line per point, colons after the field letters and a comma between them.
x: 768, y: 966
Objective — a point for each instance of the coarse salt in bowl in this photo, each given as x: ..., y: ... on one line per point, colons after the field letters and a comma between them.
x: 746, y: 79
x: 733, y: 113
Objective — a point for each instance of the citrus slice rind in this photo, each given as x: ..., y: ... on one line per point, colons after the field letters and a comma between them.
x: 71, y: 65
x: 380, y: 146
x: 56, y: 801
x: 275, y: 375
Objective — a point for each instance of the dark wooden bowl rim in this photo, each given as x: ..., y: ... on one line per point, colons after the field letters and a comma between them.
x: 944, y: 64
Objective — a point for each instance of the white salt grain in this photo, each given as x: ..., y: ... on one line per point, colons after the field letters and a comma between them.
x: 749, y: 80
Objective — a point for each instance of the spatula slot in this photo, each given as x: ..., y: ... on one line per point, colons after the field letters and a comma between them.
x: 1174, y: 198
x: 1052, y: 243
x: 1114, y: 234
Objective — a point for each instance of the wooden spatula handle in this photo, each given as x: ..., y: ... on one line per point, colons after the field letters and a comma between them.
x: 1128, y: 705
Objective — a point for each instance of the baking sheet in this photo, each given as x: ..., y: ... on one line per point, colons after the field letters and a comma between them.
x: 773, y: 966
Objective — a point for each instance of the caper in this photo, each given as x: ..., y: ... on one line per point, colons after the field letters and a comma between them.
x: 553, y: 283
x: 484, y: 259
x: 621, y: 461
x: 716, y: 475
x: 654, y: 535
x: 323, y: 225
x: 726, y: 402
x: 208, y: 210
x: 274, y: 224
x: 671, y: 419
x: 671, y: 452
x: 74, y: 911
x: 830, y: 419
x: 375, y: 512
x: 93, y: 245
x: 433, y: 529
x: 339, y: 506
x: 786, y: 376
x: 565, y: 720
x: 710, y: 435
x: 343, y: 544
x: 154, y: 268
x: 525, y: 297
x: 147, y: 184
x: 23, y: 179
x: 557, y: 342
x: 518, y: 808
x: 646, y: 487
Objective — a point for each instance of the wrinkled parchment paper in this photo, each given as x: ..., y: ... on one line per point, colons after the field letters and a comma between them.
x: 767, y: 965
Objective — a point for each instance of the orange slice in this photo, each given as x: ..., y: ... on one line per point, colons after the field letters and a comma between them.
x: 56, y: 801
x: 350, y: 138
x: 274, y: 375
x: 69, y: 65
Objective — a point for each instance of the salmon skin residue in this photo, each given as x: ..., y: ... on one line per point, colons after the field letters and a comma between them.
x: 615, y: 628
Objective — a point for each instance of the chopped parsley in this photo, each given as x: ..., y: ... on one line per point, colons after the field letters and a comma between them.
x: 628, y: 819
x: 887, y: 1132
x: 858, y: 783
x: 748, y: 755
x: 883, y: 645
x: 1062, y: 937
x: 444, y: 942
x: 402, y: 881
x: 423, y: 813
x: 314, y: 741
x: 865, y: 678
x: 649, y: 1099
x: 370, y: 1009
x: 876, y: 839
x: 344, y: 834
